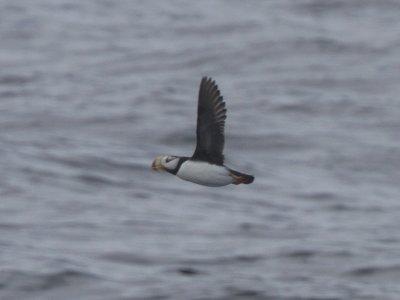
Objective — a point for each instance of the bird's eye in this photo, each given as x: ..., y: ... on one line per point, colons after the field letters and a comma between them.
x: 169, y: 158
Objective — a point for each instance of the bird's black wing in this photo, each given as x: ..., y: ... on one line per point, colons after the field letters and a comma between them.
x: 211, y: 115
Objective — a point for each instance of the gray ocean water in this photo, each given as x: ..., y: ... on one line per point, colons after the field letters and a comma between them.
x: 92, y: 91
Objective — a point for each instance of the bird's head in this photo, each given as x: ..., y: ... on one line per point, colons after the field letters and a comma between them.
x: 165, y: 163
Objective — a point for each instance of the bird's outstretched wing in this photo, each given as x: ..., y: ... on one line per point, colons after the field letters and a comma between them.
x: 211, y: 115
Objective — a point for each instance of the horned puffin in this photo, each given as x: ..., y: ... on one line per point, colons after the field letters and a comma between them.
x: 206, y: 166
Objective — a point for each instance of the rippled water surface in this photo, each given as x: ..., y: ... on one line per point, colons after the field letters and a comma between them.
x: 92, y: 91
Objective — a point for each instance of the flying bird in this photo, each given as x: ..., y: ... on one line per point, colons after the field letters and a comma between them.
x: 206, y: 166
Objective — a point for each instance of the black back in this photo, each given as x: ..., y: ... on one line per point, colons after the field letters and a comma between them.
x: 211, y: 115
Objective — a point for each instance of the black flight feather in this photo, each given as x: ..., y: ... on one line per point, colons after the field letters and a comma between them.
x: 211, y: 115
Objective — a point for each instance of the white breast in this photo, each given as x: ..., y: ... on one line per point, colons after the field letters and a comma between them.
x: 204, y: 173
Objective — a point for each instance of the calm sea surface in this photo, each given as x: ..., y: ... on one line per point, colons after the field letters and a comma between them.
x: 92, y: 91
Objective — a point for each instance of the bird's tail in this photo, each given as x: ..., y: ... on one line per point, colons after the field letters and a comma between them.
x: 239, y: 178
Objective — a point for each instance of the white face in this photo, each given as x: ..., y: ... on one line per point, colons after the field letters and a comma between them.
x: 165, y: 162
x: 169, y: 162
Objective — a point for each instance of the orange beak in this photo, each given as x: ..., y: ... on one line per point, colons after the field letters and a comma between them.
x: 156, y: 165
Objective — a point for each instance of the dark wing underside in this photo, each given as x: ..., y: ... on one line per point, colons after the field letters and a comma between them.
x: 211, y: 115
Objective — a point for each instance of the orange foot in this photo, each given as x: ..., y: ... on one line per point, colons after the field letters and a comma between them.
x: 237, y: 179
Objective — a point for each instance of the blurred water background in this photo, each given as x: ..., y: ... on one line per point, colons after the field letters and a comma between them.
x: 92, y: 91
